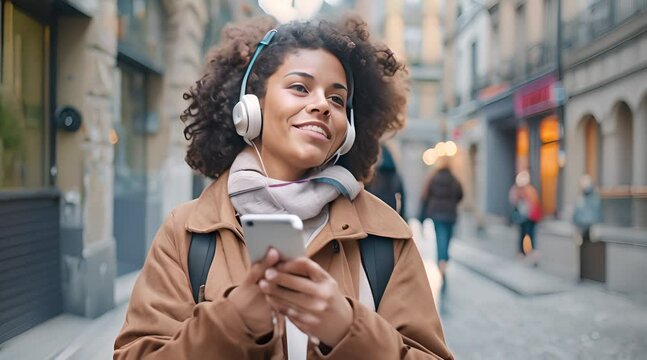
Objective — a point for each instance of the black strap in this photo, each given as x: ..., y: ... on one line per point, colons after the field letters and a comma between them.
x: 378, y: 261
x: 201, y: 252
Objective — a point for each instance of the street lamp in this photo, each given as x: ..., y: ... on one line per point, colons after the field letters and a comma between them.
x: 288, y: 10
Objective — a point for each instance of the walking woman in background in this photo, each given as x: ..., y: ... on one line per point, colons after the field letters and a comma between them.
x: 526, y: 211
x: 309, y: 105
x: 440, y: 199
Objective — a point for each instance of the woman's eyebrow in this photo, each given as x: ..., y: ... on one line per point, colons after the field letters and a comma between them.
x: 310, y: 76
x: 300, y: 73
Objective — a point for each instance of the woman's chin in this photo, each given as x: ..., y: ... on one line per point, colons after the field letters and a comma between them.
x: 310, y: 159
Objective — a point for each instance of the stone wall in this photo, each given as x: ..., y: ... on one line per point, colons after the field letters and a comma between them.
x: 87, y: 59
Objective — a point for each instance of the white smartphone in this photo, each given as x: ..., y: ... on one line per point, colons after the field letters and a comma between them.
x: 284, y: 232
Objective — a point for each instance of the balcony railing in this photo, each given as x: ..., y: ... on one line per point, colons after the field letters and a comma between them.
x: 598, y: 19
x: 536, y: 59
x: 539, y: 57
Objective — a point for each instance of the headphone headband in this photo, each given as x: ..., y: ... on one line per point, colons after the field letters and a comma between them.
x: 247, y: 117
x: 264, y: 42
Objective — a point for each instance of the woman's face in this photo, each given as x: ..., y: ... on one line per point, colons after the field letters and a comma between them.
x: 304, y: 113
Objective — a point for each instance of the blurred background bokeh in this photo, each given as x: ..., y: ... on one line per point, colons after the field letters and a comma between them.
x: 92, y: 160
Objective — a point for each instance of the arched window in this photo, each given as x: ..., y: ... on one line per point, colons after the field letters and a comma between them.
x: 624, y: 140
x: 592, y: 148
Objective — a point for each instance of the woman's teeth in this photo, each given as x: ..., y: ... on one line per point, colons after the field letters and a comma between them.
x: 314, y: 128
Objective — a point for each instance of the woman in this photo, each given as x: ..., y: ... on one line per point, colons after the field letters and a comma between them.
x: 309, y: 79
x: 440, y: 202
x: 526, y: 210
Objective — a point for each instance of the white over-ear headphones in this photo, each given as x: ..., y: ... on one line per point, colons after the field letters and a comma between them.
x: 247, y: 116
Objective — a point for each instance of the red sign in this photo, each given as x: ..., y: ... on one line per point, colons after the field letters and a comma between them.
x: 536, y: 97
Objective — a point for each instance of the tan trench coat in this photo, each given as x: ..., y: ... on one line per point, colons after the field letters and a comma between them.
x: 163, y: 321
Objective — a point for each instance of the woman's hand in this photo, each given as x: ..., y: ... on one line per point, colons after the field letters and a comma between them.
x: 310, y: 298
x: 250, y: 301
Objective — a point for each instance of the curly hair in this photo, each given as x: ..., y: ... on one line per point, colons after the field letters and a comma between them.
x: 379, y: 100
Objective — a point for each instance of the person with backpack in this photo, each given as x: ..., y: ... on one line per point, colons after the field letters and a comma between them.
x: 386, y: 183
x: 287, y: 122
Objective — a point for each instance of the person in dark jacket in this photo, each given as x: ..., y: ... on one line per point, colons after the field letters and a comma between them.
x: 387, y: 183
x: 440, y: 199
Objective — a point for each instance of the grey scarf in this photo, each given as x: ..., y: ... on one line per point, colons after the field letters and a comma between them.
x: 251, y: 192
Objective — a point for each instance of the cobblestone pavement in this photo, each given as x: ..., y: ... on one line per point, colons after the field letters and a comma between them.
x: 483, y: 320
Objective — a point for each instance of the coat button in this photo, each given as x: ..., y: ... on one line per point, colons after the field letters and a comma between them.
x: 345, y: 227
x: 335, y: 246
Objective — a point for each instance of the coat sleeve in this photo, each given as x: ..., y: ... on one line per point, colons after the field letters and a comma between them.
x: 163, y: 321
x: 459, y: 191
x: 424, y: 201
x: 406, y: 325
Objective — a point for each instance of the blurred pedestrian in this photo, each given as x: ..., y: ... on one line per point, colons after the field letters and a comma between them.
x: 588, y: 210
x: 440, y: 199
x: 285, y: 160
x: 526, y: 210
x: 387, y: 183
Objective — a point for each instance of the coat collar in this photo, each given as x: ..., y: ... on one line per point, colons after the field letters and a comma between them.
x: 366, y: 214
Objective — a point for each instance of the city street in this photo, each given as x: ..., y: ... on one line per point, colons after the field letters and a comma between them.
x: 482, y: 320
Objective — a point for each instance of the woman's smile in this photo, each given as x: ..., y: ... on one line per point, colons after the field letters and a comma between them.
x: 315, y: 129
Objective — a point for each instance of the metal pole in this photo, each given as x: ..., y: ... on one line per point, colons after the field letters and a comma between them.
x: 561, y: 108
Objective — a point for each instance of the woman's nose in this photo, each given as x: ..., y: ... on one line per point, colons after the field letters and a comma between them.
x: 320, y: 105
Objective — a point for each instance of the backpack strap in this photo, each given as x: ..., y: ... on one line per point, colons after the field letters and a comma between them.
x: 378, y: 261
x: 201, y: 252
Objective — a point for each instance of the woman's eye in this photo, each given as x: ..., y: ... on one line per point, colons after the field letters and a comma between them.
x: 299, y: 88
x: 338, y: 100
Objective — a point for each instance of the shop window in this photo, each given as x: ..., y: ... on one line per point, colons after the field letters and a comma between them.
x: 130, y: 142
x: 549, y: 134
x: 523, y: 149
x: 23, y: 106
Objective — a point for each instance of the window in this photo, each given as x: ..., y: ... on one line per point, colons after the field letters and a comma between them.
x: 592, y: 148
x: 473, y: 71
x: 414, y: 100
x: 130, y: 142
x: 550, y: 21
x: 520, y: 41
x: 549, y: 135
x: 23, y: 106
x: 413, y: 43
x: 141, y: 31
x: 495, y: 56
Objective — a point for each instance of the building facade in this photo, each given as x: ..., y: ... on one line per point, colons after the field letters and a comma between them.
x: 559, y: 99
x: 605, y: 75
x: 91, y: 145
x: 412, y: 29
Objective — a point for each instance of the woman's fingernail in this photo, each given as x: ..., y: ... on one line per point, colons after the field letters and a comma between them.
x: 263, y: 284
x: 270, y: 273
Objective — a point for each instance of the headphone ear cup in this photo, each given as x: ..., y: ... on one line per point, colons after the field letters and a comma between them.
x: 348, y: 141
x: 247, y: 117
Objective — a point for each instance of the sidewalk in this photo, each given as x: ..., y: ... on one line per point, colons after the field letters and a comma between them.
x: 516, y: 275
x: 73, y: 337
